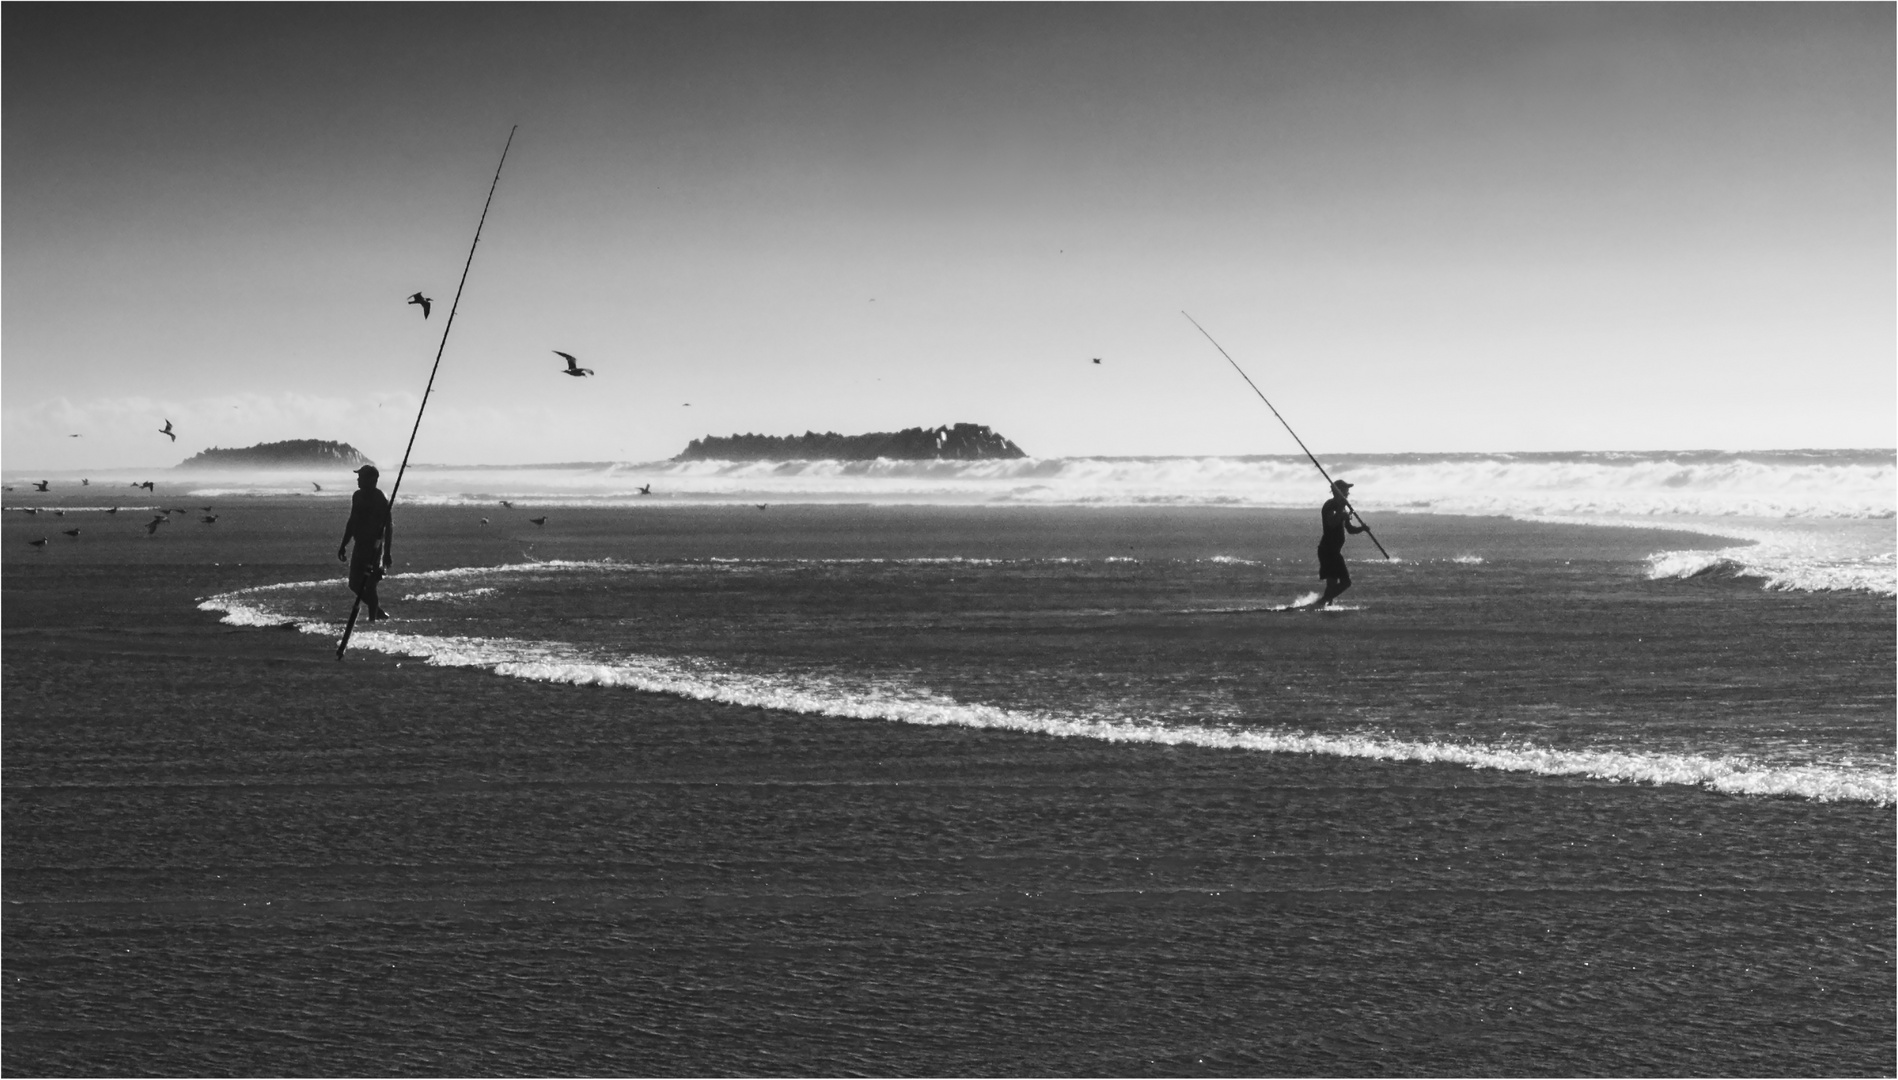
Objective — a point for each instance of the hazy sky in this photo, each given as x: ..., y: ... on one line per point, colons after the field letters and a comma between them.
x: 1491, y: 227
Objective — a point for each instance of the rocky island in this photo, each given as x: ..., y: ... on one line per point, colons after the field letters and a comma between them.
x: 292, y: 454
x: 963, y: 442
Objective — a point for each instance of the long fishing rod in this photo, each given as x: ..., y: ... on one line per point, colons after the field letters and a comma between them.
x: 388, y: 539
x: 1301, y: 443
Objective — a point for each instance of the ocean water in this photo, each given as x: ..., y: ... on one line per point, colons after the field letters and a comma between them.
x: 933, y: 784
x: 983, y: 594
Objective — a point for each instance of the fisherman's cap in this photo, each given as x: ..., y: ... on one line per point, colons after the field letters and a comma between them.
x: 1341, y: 484
x: 370, y: 469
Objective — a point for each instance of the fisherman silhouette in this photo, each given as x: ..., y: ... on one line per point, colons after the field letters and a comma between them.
x: 1336, y: 516
x: 369, y: 526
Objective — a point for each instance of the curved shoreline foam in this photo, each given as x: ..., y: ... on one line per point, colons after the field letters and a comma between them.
x: 704, y: 680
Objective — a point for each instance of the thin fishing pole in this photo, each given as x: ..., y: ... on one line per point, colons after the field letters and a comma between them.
x: 1288, y: 428
x: 388, y: 540
x: 452, y: 308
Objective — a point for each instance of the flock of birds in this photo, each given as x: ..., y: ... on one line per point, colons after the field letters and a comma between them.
x: 151, y: 527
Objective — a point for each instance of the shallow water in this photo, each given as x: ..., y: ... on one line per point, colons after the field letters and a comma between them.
x: 1539, y: 647
x: 228, y: 854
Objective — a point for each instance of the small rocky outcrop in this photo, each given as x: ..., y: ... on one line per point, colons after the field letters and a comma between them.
x: 963, y: 442
x: 293, y: 454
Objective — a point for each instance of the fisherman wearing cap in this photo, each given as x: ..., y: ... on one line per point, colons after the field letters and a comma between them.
x: 1336, y: 515
x: 369, y: 526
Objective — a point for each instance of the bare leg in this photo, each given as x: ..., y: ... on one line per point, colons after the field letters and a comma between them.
x: 1333, y: 587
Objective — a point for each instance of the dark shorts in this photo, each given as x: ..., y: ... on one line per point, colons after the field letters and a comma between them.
x: 365, y: 565
x: 1331, y: 565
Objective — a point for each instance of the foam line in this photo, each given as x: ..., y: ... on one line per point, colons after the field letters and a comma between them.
x: 701, y: 680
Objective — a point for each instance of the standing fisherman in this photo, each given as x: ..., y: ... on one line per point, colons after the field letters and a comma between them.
x: 369, y: 525
x: 1336, y: 516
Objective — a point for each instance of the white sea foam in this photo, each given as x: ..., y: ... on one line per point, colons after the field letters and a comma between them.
x: 1760, y: 484
x: 891, y: 700
x: 449, y: 596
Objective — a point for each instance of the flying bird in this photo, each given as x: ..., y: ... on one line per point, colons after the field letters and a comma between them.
x: 40, y: 543
x: 147, y: 485
x: 72, y: 532
x: 573, y: 366
x: 75, y: 436
x: 85, y: 483
x: 507, y: 504
x: 152, y: 525
x: 484, y: 521
x: 1097, y: 359
x: 166, y: 431
x: 646, y: 489
x: 316, y: 485
x: 39, y: 485
x: 538, y: 520
x: 418, y: 298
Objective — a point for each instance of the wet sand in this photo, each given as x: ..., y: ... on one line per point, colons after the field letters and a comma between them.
x: 227, y: 853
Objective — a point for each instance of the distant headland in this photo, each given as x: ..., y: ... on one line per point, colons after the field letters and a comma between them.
x: 294, y: 454
x: 963, y: 442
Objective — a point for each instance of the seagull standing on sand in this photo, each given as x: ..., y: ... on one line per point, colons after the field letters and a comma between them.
x: 166, y: 431
x: 418, y: 298
x: 72, y: 532
x: 114, y: 510
x: 209, y: 519
x: 40, y: 543
x: 573, y: 365
x: 538, y: 520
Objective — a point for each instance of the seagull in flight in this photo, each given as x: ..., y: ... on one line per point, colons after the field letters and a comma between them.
x: 507, y: 504
x: 645, y: 489
x: 1097, y: 359
x: 166, y: 431
x: 147, y: 485
x: 573, y: 365
x: 152, y: 525
x: 418, y: 298
x: 316, y: 485
x: 39, y: 485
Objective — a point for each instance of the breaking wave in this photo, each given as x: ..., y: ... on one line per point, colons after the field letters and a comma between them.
x: 1815, y: 483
